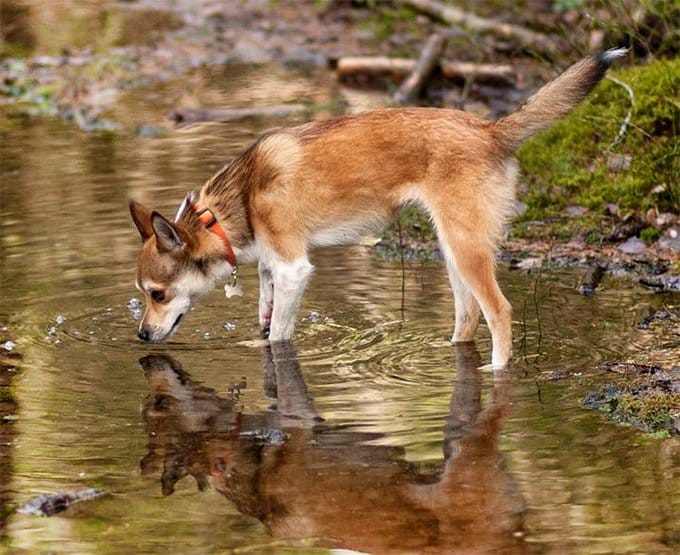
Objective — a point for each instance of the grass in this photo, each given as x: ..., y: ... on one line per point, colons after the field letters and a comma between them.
x: 571, y: 164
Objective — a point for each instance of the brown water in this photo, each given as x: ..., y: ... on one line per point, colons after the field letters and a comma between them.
x: 418, y: 449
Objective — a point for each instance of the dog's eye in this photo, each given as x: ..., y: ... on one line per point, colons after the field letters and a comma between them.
x: 158, y: 296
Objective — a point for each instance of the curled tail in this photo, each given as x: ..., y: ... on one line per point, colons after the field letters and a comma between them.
x: 554, y: 100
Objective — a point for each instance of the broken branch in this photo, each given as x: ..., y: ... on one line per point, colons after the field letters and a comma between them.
x: 413, y: 84
x: 473, y: 22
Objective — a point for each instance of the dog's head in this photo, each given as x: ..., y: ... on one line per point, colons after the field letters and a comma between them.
x: 180, y: 262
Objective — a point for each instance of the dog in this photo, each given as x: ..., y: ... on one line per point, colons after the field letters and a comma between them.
x: 329, y: 182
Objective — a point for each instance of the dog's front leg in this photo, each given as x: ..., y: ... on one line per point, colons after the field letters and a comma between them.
x: 290, y: 280
x: 266, y: 298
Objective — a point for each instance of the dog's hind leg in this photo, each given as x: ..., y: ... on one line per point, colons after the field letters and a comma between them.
x: 470, y: 261
x: 290, y: 280
x: 466, y: 308
x: 476, y: 266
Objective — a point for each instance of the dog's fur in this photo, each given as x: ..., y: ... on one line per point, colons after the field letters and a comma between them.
x: 328, y: 182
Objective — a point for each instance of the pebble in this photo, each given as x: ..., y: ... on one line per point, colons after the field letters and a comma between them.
x: 59, y: 319
x: 530, y: 263
x: 619, y: 162
x: 633, y: 245
x: 312, y: 317
x: 229, y: 326
x: 9, y: 345
x: 134, y: 305
x: 207, y: 336
x: 576, y: 211
x: 671, y: 240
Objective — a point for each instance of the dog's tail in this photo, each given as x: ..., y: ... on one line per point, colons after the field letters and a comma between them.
x: 554, y: 100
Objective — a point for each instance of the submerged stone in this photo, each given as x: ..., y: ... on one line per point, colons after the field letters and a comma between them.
x: 53, y: 503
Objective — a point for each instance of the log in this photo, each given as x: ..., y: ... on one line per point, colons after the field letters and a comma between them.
x: 375, y: 65
x: 455, y: 16
x: 192, y: 115
x: 492, y: 74
x: 413, y: 84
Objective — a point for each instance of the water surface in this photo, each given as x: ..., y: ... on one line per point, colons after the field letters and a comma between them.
x: 395, y: 440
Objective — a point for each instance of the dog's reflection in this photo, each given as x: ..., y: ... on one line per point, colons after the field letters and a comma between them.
x: 322, y: 481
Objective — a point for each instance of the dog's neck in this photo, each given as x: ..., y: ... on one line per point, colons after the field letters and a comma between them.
x: 212, y: 224
x: 227, y: 195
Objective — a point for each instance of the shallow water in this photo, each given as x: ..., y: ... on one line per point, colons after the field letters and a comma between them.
x: 395, y: 440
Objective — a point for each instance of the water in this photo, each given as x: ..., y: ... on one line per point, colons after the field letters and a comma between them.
x: 371, y: 398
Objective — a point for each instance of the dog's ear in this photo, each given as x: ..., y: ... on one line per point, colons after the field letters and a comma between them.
x: 167, y: 238
x: 141, y: 215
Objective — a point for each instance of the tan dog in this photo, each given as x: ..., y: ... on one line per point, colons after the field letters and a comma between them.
x: 328, y: 182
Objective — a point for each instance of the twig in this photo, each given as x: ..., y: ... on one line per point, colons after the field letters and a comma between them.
x: 412, y: 85
x: 629, y: 115
x: 403, y: 269
x: 456, y: 16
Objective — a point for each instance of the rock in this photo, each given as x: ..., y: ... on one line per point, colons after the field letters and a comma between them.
x: 519, y: 208
x: 662, y: 283
x: 576, y: 211
x: 619, y: 162
x: 9, y: 345
x: 266, y: 436
x: 53, y: 503
x: 670, y: 240
x: 530, y: 263
x: 633, y: 245
x: 612, y: 209
x: 591, y: 279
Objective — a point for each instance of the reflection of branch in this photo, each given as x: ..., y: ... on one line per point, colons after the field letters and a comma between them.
x: 629, y: 115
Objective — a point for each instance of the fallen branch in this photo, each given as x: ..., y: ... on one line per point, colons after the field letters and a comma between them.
x: 413, y: 84
x: 192, y: 115
x: 492, y: 74
x: 473, y: 22
x: 375, y: 65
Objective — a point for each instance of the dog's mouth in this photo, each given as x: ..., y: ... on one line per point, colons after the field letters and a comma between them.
x: 177, y: 321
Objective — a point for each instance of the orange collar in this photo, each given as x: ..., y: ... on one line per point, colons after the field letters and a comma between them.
x: 208, y: 219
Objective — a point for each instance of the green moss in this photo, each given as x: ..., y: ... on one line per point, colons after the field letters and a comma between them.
x: 654, y: 410
x: 649, y: 234
x: 569, y: 164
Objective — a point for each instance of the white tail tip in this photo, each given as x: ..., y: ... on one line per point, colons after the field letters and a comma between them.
x: 610, y: 55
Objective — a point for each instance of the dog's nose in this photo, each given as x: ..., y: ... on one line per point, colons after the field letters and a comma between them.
x: 143, y: 334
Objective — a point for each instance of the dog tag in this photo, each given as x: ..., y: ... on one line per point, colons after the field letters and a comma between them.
x: 233, y: 288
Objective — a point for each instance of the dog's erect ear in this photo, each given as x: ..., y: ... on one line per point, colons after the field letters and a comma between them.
x: 141, y: 215
x: 167, y: 238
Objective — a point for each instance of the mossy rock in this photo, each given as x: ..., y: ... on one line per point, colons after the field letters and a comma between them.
x: 571, y: 164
